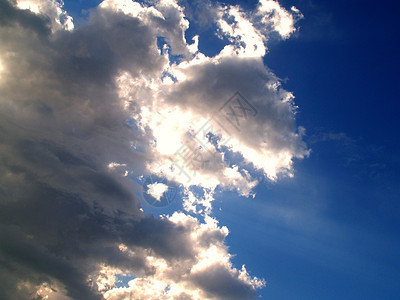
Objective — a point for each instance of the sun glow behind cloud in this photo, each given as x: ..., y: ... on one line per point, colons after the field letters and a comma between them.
x: 28, y: 5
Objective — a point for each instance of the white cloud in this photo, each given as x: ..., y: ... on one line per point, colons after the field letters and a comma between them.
x: 269, y: 139
x: 281, y: 20
x: 59, y: 18
x: 113, y: 165
x: 207, y: 274
x: 198, y: 204
x: 242, y: 32
x: 53, y: 291
x: 157, y: 190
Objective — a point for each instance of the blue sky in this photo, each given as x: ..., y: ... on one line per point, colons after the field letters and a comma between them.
x: 333, y: 231
x: 89, y: 116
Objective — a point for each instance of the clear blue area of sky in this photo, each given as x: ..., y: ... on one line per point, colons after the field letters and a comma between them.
x: 331, y: 232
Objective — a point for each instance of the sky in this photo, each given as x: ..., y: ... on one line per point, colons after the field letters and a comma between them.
x: 199, y: 150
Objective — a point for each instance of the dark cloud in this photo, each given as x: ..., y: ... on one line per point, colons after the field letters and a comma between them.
x: 10, y: 16
x: 62, y: 211
x: 29, y: 260
x: 220, y: 282
x: 49, y: 234
x: 201, y: 13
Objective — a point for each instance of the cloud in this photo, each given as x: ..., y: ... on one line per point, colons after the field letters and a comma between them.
x: 85, y: 110
x: 278, y: 18
x: 206, y: 274
x: 58, y: 18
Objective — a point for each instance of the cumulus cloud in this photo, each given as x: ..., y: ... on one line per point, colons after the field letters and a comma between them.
x: 206, y: 274
x: 277, y: 18
x: 84, y: 111
x: 59, y: 18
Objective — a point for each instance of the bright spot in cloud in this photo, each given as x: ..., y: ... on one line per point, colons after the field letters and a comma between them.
x: 157, y: 190
x: 33, y: 7
x: 113, y: 165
